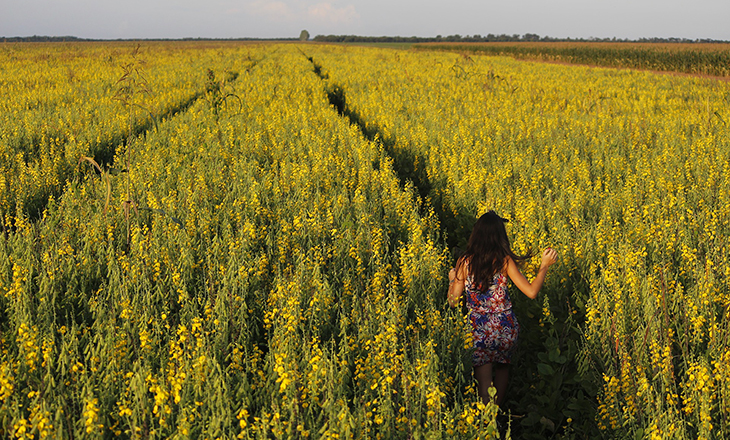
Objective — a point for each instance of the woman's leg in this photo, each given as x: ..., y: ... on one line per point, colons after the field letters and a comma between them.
x: 501, y: 378
x: 483, y: 375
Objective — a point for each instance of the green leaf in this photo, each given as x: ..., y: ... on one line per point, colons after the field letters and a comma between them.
x: 531, y: 420
x: 575, y: 406
x: 545, y: 369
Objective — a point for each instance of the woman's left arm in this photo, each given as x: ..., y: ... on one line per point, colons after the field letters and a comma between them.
x: 549, y: 257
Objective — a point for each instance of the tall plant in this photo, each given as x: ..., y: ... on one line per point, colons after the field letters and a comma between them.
x: 132, y: 90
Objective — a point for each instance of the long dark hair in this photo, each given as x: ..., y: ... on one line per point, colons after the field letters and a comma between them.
x: 488, y: 249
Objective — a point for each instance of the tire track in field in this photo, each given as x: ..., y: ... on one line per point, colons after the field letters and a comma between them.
x: 103, y: 153
x: 455, y: 225
x: 105, y: 157
x: 408, y: 165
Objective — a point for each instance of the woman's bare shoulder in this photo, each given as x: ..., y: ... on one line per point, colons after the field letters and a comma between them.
x: 508, y: 261
x: 462, y: 266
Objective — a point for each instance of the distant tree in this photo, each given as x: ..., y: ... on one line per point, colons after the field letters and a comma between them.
x: 304, y: 35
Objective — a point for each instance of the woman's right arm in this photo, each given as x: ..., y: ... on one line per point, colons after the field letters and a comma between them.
x: 549, y: 257
x: 456, y: 285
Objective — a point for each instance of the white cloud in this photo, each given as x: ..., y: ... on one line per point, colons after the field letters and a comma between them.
x: 272, y: 9
x: 326, y: 12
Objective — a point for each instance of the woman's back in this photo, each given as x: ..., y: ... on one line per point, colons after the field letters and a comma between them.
x: 493, y: 298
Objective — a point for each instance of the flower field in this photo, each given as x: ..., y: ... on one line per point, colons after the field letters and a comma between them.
x: 61, y: 102
x: 219, y: 240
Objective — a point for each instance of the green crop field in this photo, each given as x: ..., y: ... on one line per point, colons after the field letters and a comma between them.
x: 712, y: 59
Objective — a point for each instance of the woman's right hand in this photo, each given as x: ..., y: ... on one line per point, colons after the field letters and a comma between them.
x: 549, y: 257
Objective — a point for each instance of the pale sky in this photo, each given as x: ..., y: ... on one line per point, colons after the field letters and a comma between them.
x: 111, y: 19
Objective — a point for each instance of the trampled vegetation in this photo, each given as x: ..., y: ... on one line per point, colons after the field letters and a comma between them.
x: 292, y: 212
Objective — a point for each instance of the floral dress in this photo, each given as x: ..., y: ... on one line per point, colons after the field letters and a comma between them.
x: 494, y: 324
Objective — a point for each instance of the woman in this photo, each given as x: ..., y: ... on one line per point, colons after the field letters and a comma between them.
x: 481, y: 273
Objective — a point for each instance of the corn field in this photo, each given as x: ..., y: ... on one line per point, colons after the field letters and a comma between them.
x: 225, y: 240
x: 711, y: 59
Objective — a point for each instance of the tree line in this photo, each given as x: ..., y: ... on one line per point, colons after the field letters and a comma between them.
x: 53, y: 39
x: 476, y: 38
